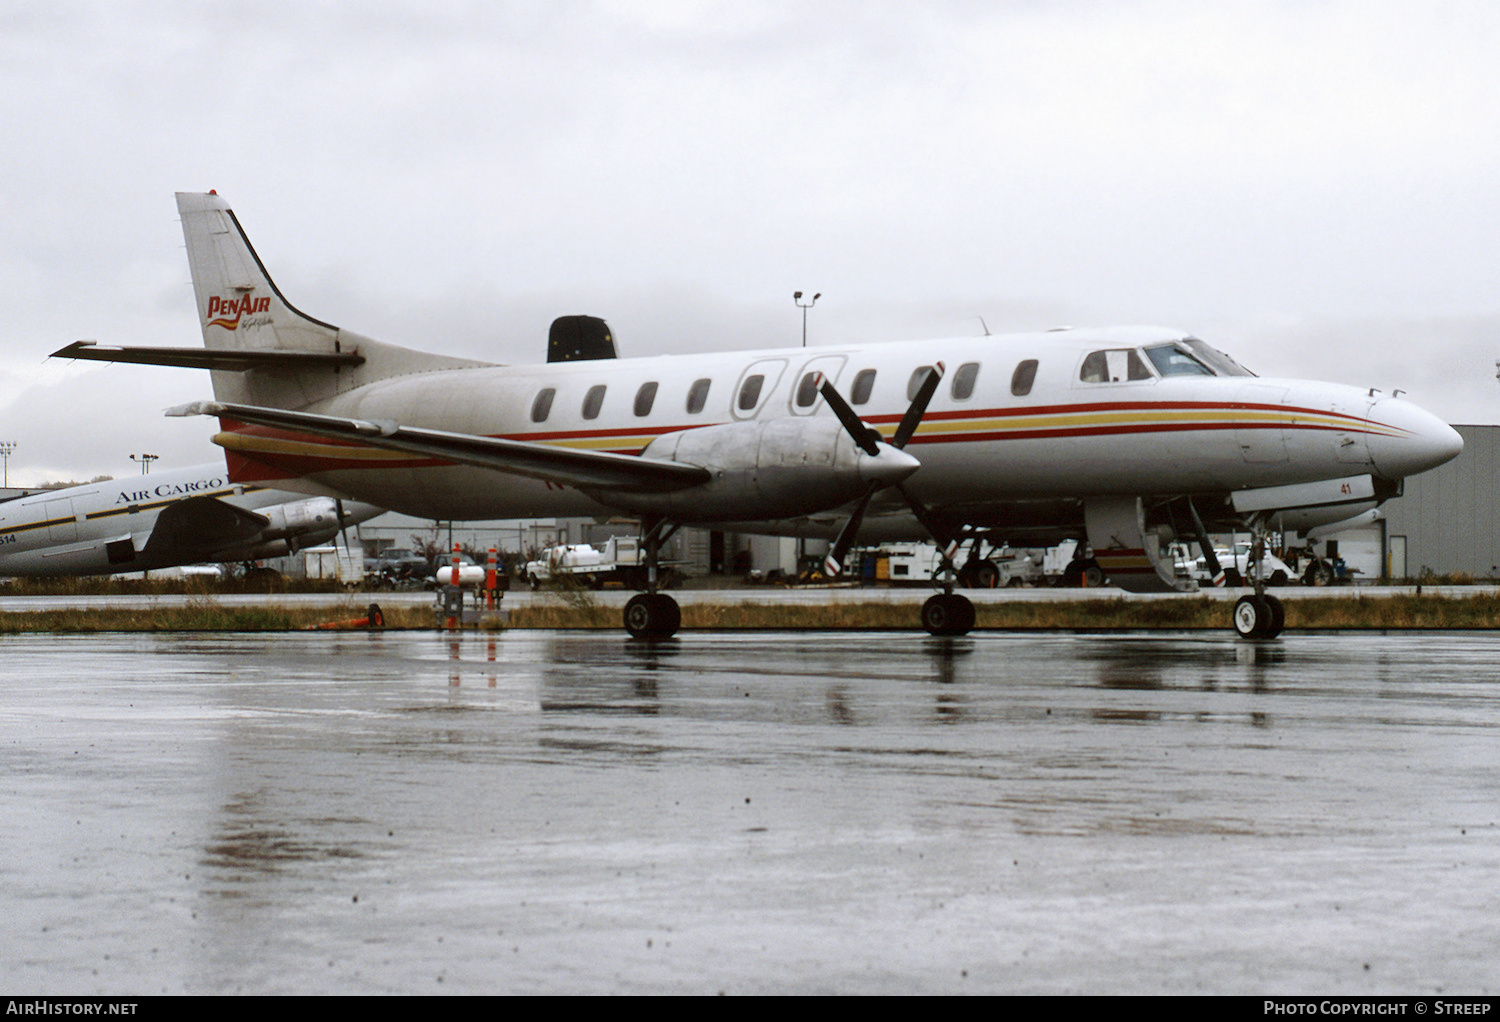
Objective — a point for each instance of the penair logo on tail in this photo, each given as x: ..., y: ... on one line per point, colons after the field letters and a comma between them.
x: 227, y: 312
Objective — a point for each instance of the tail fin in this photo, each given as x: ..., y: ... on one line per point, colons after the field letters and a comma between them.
x: 241, y: 309
x: 238, y: 305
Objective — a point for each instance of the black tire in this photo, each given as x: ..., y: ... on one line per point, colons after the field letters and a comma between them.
x: 1252, y: 617
x: 986, y: 576
x: 948, y: 615
x: 1278, y: 577
x: 1278, y: 617
x: 652, y: 616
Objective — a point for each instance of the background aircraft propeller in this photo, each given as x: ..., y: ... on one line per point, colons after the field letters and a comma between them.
x: 867, y: 439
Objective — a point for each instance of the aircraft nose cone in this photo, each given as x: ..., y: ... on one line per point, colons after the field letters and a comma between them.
x: 889, y: 466
x: 1409, y: 440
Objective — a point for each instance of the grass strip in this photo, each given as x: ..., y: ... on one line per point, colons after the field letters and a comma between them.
x: 204, y: 614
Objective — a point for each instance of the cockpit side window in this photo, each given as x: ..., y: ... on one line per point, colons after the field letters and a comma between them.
x: 1113, y: 366
x: 864, y: 384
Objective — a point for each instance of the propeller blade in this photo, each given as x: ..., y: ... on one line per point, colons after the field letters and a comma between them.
x: 863, y: 435
x: 913, y: 417
x: 868, y: 440
x: 833, y: 564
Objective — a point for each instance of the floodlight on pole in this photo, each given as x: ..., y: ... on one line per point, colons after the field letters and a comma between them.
x: 144, y: 460
x: 6, y: 447
x: 804, y: 306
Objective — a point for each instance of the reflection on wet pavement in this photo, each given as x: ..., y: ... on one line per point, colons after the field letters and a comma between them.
x: 830, y: 812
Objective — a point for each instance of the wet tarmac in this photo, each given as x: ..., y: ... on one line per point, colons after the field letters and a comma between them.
x: 750, y: 813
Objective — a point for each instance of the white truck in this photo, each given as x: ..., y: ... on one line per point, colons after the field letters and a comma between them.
x: 619, y: 562
x: 1235, y: 565
x: 918, y: 562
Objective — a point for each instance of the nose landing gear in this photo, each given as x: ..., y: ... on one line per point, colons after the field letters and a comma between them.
x: 1260, y: 616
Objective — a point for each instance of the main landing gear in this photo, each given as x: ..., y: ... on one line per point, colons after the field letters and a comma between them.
x: 1259, y: 617
x: 653, y: 615
x: 947, y: 613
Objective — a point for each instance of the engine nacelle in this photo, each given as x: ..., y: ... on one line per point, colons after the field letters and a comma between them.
x: 302, y: 523
x: 765, y: 469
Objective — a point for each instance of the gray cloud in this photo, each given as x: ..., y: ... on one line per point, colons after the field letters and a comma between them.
x: 1310, y: 186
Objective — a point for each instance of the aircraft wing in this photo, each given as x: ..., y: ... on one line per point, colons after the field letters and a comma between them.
x: 198, y: 527
x: 233, y: 359
x: 565, y: 465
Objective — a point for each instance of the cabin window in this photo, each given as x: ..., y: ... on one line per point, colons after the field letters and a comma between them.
x: 542, y: 406
x: 807, y: 390
x: 1022, y: 379
x: 1170, y: 360
x: 593, y: 401
x: 915, y: 383
x: 864, y: 383
x: 963, y: 381
x: 644, y: 399
x: 698, y: 396
x: 1113, y: 366
x: 750, y: 392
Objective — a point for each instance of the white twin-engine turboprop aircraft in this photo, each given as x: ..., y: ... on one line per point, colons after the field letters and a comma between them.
x: 1125, y: 437
x: 142, y: 523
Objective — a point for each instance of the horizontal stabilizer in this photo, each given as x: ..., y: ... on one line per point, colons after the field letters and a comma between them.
x: 588, y: 470
x: 236, y: 360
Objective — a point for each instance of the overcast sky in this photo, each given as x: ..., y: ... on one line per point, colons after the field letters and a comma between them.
x: 1314, y: 187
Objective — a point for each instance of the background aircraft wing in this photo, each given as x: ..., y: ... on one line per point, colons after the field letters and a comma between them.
x: 565, y: 465
x: 196, y: 528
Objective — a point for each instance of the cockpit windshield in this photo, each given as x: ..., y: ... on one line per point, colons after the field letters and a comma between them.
x: 1221, y: 363
x: 1191, y: 357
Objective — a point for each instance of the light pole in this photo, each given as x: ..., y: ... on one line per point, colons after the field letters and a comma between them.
x: 6, y: 447
x: 144, y: 460
x: 797, y: 297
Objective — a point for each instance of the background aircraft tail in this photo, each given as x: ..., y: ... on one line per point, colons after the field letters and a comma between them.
x: 292, y: 359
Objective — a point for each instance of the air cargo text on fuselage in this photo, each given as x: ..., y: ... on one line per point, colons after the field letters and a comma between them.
x: 172, y: 490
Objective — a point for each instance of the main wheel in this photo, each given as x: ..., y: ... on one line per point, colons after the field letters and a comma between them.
x: 652, y: 616
x: 1318, y: 573
x: 1252, y: 617
x: 946, y: 614
x: 1278, y: 617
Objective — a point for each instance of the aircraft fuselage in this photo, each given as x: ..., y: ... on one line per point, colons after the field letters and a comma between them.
x: 1018, y: 418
